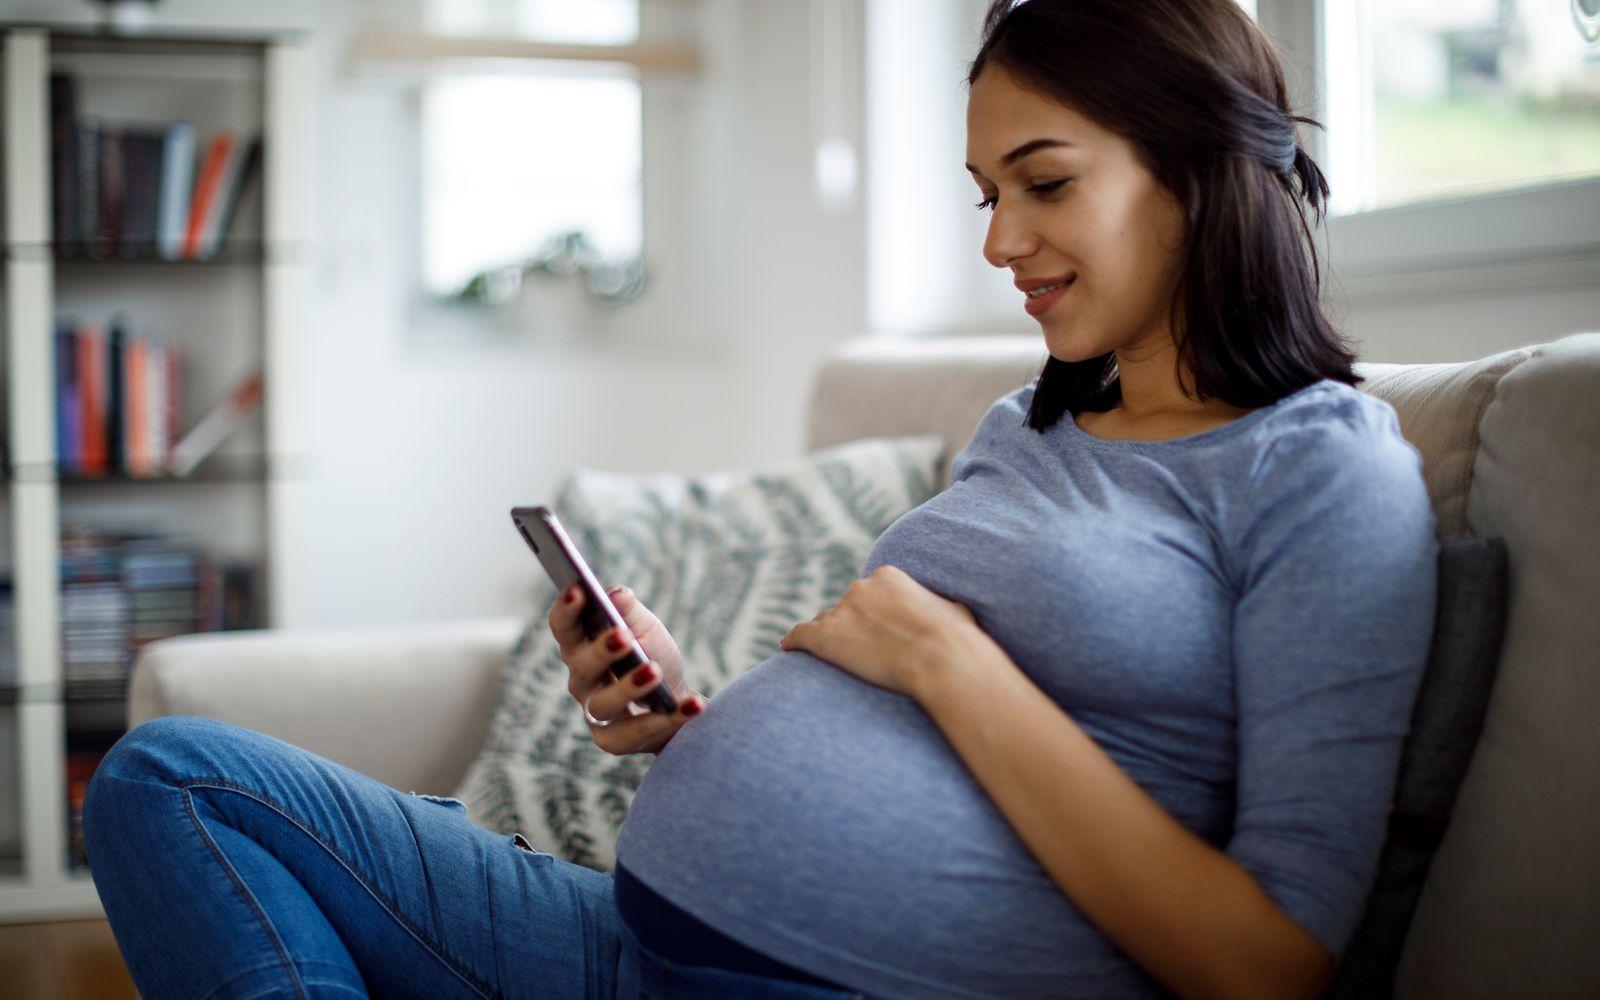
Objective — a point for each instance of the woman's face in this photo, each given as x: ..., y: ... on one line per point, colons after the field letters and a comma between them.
x: 1073, y: 203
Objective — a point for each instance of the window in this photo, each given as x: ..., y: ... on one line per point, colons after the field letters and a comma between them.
x: 1459, y: 138
x: 512, y: 162
x: 1429, y: 100
x: 518, y: 158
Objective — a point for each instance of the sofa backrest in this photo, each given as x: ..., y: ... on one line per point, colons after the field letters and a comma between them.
x: 1511, y: 448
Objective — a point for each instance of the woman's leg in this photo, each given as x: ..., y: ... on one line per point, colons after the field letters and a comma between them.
x: 232, y: 864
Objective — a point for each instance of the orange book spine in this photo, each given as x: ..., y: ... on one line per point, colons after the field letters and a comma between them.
x: 136, y: 394
x: 205, y: 192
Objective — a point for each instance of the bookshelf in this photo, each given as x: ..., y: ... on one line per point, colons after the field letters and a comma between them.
x: 226, y: 315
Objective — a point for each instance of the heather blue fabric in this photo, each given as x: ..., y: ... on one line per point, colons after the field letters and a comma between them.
x: 233, y: 865
x: 1239, y: 618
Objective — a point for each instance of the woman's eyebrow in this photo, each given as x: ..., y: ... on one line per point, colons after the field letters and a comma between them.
x: 1029, y: 147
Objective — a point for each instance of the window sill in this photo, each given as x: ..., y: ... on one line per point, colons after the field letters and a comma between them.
x: 1530, y: 239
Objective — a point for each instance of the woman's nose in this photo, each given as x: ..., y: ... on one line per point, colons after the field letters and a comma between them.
x: 1008, y: 238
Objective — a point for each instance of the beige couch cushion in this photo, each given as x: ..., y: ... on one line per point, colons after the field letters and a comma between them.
x: 875, y: 388
x: 1511, y: 907
x: 1439, y: 407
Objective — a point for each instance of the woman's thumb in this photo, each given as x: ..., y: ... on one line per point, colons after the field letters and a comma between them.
x: 627, y: 604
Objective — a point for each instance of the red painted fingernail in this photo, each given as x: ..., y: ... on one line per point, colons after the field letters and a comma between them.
x: 572, y: 594
x: 644, y: 675
x: 693, y: 707
x: 614, y: 642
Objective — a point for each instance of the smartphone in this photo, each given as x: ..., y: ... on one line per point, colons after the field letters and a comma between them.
x: 565, y: 565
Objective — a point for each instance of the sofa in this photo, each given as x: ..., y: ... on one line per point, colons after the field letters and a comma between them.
x: 1511, y: 448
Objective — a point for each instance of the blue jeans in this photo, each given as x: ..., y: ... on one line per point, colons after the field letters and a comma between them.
x: 232, y: 864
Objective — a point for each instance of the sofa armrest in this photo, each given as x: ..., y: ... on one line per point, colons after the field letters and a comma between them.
x: 406, y: 704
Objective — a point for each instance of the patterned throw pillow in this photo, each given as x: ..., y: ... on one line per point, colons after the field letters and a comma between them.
x: 728, y: 562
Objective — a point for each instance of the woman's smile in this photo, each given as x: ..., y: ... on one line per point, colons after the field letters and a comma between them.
x: 1041, y: 299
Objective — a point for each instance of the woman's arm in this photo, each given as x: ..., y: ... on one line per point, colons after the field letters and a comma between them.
x: 1187, y: 913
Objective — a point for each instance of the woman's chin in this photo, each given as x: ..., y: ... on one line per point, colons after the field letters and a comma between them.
x: 1063, y: 346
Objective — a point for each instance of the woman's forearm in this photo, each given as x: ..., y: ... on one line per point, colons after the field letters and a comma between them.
x: 1188, y: 914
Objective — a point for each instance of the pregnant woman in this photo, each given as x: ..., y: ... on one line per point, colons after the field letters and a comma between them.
x: 1117, y: 714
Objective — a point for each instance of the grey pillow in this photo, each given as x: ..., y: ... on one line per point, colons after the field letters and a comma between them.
x: 1468, y: 628
x: 728, y: 562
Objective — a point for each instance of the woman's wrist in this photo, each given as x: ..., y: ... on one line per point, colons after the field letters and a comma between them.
x: 953, y: 660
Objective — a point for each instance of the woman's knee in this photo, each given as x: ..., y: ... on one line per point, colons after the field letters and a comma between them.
x: 150, y: 758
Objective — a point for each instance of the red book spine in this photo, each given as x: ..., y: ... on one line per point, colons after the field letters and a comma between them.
x: 205, y: 192
x: 91, y: 413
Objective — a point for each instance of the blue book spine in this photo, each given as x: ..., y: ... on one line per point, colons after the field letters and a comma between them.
x: 68, y: 399
x: 177, y: 187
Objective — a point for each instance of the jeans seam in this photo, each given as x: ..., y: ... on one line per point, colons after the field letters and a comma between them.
x: 249, y: 898
x: 433, y: 947
x: 217, y: 990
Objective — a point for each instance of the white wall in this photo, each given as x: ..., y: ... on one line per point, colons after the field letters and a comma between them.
x: 427, y: 445
x: 427, y: 428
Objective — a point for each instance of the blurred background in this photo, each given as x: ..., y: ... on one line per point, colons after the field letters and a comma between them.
x: 516, y: 262
x: 426, y: 257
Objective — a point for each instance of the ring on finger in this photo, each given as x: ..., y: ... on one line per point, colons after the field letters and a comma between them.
x: 586, y: 713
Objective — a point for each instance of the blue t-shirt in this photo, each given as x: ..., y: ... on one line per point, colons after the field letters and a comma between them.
x: 1239, y: 618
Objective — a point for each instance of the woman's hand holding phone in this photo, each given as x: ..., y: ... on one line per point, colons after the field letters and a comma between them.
x: 633, y: 729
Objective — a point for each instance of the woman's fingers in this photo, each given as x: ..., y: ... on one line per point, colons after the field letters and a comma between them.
x: 634, y: 729
x: 563, y: 618
x: 610, y: 699
x: 589, y: 662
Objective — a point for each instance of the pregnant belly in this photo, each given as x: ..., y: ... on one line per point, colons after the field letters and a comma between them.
x: 827, y: 822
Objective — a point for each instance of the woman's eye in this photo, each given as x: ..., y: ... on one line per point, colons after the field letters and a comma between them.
x: 1044, y: 188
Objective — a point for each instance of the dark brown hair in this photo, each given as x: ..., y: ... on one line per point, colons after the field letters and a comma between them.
x: 1196, y: 89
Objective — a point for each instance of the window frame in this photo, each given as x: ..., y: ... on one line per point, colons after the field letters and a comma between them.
x: 1431, y: 246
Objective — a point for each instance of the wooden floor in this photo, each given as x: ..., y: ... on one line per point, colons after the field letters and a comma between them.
x: 72, y: 960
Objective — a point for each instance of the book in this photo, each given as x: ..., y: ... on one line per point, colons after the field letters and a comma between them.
x: 117, y: 400
x: 174, y: 408
x: 236, y: 176
x: 214, y: 427
x: 92, y: 399
x: 69, y: 421
x: 156, y: 352
x: 88, y: 171
x: 116, y: 396
x: 65, y: 226
x: 206, y: 185
x: 134, y: 189
x: 136, y: 397
x: 143, y: 148
x: 112, y: 179
x: 177, y: 188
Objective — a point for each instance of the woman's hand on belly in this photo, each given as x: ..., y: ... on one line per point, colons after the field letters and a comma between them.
x: 633, y: 729
x: 886, y: 629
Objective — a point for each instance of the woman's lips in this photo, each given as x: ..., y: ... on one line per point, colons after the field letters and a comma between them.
x: 1036, y: 305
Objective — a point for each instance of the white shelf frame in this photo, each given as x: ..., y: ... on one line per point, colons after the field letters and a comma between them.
x: 47, y: 889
